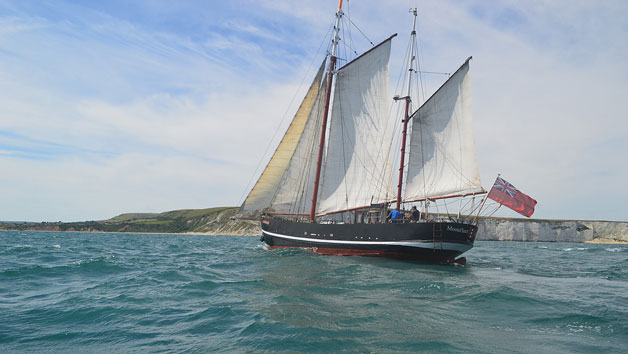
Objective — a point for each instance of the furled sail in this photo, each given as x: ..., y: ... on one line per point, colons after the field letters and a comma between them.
x: 357, y: 166
x: 442, y: 157
x: 267, y: 185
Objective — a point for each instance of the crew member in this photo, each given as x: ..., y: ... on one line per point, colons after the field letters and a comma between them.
x: 394, y: 214
x: 416, y: 214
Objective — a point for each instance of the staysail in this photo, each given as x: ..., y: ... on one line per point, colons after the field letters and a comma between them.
x: 294, y: 193
x: 266, y: 188
x: 442, y: 157
x: 357, y: 166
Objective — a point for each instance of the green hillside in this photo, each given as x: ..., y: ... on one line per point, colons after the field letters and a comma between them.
x: 217, y: 220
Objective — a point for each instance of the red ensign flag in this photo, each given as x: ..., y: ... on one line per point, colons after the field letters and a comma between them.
x: 506, y: 194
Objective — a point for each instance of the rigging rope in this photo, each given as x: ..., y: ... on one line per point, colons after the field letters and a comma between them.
x: 270, y: 142
x: 358, y: 28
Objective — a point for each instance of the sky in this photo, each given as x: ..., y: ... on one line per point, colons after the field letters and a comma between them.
x: 109, y: 107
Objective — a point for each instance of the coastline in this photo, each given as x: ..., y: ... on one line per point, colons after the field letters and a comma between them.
x: 599, y: 240
x: 607, y: 241
x: 223, y: 221
x: 135, y: 233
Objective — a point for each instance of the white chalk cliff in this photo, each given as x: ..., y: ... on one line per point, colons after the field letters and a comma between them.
x: 551, y: 230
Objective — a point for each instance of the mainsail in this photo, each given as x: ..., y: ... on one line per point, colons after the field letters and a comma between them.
x: 442, y: 157
x: 267, y: 186
x: 357, y: 167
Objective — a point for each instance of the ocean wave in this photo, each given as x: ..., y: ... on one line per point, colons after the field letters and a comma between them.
x: 62, y: 270
x: 615, y: 249
x: 504, y: 296
x: 573, y: 323
x: 130, y: 293
x: 569, y: 249
x: 20, y: 248
x: 263, y: 246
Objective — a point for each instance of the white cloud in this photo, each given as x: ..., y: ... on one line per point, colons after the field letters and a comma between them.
x: 76, y: 189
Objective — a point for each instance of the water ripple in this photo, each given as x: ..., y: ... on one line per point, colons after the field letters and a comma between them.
x: 80, y: 292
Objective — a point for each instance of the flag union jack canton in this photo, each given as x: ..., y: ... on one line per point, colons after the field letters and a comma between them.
x: 505, y: 187
x: 506, y: 194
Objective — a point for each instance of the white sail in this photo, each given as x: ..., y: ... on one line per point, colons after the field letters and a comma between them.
x: 294, y: 193
x: 267, y: 185
x: 357, y: 166
x: 442, y: 157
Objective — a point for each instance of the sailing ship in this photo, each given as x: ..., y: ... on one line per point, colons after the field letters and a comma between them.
x: 329, y: 185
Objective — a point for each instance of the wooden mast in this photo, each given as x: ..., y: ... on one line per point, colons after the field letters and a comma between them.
x: 321, y: 145
x: 405, y: 115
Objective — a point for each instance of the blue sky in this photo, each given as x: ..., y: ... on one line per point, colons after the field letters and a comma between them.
x: 144, y: 106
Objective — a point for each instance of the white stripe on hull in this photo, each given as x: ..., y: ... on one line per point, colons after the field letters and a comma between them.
x: 448, y: 246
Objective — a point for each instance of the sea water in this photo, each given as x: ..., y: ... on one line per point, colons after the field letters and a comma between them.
x: 97, y: 292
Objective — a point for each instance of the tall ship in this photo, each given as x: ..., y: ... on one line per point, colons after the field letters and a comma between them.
x: 333, y: 186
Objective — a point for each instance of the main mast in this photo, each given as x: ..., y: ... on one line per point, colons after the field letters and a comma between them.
x: 330, y: 76
x: 405, y: 115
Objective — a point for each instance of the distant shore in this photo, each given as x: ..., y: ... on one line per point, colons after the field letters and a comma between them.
x: 607, y: 241
x: 222, y: 221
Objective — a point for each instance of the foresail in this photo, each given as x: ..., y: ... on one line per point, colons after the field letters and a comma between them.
x: 442, y: 157
x: 294, y: 194
x: 357, y: 166
x: 264, y: 191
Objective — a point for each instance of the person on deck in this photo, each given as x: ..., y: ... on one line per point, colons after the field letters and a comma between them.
x: 416, y: 214
x: 394, y: 215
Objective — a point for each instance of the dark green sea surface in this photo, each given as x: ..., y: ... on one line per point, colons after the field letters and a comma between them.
x: 93, y: 292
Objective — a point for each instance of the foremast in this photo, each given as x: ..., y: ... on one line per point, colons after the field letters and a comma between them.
x: 330, y: 76
x: 408, y: 101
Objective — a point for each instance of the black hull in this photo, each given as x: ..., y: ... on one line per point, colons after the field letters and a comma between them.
x: 439, y: 242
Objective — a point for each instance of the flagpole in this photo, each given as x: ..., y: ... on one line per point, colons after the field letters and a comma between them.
x: 482, y: 206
